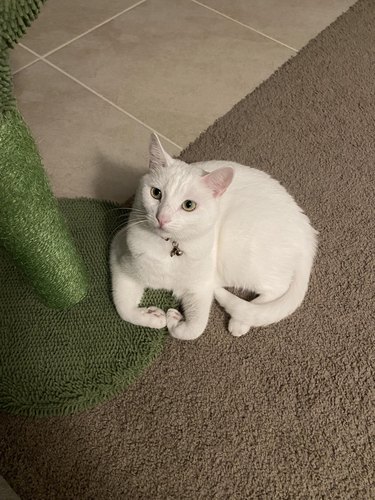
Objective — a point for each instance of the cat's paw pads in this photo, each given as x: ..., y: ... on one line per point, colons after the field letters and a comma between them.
x: 174, y: 317
x: 237, y: 328
x: 155, y: 311
x: 155, y: 317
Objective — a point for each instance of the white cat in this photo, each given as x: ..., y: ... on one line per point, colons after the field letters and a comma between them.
x: 195, y: 229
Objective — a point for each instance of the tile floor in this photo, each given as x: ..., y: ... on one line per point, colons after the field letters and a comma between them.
x: 93, y: 77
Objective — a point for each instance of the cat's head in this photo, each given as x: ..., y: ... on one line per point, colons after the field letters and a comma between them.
x: 180, y: 200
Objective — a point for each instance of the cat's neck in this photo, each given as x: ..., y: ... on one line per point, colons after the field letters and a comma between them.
x: 194, y: 247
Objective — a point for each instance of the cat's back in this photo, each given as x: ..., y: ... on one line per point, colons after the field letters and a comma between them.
x: 260, y: 227
x: 256, y: 204
x: 251, y: 188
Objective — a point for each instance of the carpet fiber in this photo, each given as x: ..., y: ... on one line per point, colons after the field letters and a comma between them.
x: 288, y: 410
x: 57, y: 362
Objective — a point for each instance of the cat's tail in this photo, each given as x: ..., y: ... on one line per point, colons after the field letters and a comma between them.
x: 252, y: 314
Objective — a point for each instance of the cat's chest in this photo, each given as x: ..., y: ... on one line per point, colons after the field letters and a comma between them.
x: 161, y: 271
x: 159, y: 263
x: 170, y: 268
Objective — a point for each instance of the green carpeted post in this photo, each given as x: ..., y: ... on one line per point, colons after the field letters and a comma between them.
x: 32, y: 228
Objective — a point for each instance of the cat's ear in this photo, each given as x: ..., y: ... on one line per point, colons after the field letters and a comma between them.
x: 219, y: 180
x: 158, y: 157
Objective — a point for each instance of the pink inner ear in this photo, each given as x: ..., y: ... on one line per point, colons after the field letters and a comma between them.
x: 219, y: 180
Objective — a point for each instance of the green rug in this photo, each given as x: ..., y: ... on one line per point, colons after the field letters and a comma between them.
x: 58, y: 362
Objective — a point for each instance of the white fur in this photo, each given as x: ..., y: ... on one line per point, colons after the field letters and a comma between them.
x: 247, y: 232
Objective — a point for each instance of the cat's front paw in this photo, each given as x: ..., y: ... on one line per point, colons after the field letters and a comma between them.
x: 174, y: 317
x: 153, y: 317
x: 178, y: 328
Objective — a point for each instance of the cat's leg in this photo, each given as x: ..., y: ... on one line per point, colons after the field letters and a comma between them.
x: 238, y: 323
x: 269, y: 295
x: 127, y: 294
x: 196, y: 307
x: 283, y: 299
x: 241, y: 319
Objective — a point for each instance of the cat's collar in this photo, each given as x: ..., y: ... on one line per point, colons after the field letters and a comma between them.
x: 175, y: 248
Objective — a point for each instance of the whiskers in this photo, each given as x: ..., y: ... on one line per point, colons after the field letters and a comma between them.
x: 136, y: 222
x: 130, y: 218
x: 124, y: 211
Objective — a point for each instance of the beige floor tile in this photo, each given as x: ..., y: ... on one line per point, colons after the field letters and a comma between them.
x: 61, y: 20
x: 293, y: 22
x: 173, y: 64
x: 89, y: 148
x: 19, y: 57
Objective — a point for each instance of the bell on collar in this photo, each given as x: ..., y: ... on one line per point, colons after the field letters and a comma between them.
x: 175, y: 250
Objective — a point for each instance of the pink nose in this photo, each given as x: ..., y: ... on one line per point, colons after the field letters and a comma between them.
x: 162, y: 220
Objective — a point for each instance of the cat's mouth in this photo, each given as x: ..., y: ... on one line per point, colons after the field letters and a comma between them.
x: 163, y: 233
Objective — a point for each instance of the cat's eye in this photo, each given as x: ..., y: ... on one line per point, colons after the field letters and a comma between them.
x: 189, y: 205
x: 156, y: 193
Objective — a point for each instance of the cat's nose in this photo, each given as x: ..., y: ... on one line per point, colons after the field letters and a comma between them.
x: 163, y: 220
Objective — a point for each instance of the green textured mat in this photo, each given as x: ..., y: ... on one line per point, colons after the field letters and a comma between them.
x: 58, y: 362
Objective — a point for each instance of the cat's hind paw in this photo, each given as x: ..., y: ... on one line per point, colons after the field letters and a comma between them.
x: 237, y: 328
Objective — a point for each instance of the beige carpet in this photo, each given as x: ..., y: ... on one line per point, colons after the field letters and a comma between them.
x: 286, y: 411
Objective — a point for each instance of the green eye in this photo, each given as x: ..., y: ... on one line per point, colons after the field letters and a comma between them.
x: 156, y: 193
x: 189, y: 205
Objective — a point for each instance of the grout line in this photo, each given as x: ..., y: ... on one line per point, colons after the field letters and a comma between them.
x: 29, y: 50
x: 71, y: 77
x: 26, y: 65
x: 93, y: 28
x: 245, y: 25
